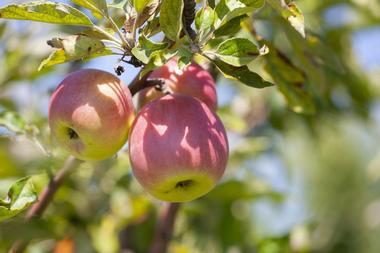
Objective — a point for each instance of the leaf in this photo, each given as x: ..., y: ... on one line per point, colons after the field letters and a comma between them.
x: 157, y: 59
x: 290, y: 12
x: 141, y: 5
x: 152, y: 27
x: 75, y: 47
x: 48, y: 12
x: 204, y: 19
x: 12, y: 121
x: 185, y: 57
x: 236, y: 51
x: 171, y: 18
x: 20, y: 196
x: 230, y: 28
x: 242, y: 74
x: 291, y: 82
x: 145, y: 49
x: 296, y: 19
x: 234, y: 190
x: 96, y: 34
x: 146, y: 12
x: 136, y: 18
x: 119, y: 4
x: 230, y: 9
x: 98, y: 7
x: 130, y: 18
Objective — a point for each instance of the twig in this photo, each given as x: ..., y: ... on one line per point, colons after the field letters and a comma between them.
x: 46, y: 196
x: 165, y: 227
x: 187, y: 19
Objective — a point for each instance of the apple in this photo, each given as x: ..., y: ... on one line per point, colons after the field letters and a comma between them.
x: 193, y: 80
x: 90, y: 114
x: 178, y: 148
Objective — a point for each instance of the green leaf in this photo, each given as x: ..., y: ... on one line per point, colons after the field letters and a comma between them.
x: 204, y: 22
x: 290, y: 12
x: 134, y: 18
x: 171, y: 18
x: 48, y: 12
x: 12, y: 121
x: 236, y: 51
x: 230, y: 9
x: 242, y: 74
x: 20, y: 196
x: 185, y: 57
x: 141, y: 5
x: 253, y: 3
x: 98, y: 7
x: 145, y: 49
x: 204, y: 19
x: 75, y: 47
x: 291, y: 82
x: 152, y: 27
x: 234, y: 190
x: 230, y: 28
x: 96, y: 34
x: 119, y: 4
x: 157, y: 59
x: 296, y: 19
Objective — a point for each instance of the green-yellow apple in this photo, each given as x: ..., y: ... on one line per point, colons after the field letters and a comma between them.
x: 193, y: 80
x: 90, y: 114
x: 178, y: 148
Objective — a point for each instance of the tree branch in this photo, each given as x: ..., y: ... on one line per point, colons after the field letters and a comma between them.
x: 165, y: 228
x: 46, y: 196
x: 188, y: 17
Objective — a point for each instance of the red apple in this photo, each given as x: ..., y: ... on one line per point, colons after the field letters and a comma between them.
x: 90, y: 114
x: 193, y: 80
x: 178, y: 148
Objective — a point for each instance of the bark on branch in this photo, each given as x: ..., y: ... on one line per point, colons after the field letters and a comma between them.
x: 165, y: 227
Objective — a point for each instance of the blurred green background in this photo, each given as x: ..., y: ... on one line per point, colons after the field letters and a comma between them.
x: 296, y: 182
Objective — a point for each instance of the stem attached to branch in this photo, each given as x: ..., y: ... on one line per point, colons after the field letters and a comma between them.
x: 46, y: 196
x: 144, y: 82
x: 165, y: 228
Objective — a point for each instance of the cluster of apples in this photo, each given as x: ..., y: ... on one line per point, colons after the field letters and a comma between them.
x: 178, y: 146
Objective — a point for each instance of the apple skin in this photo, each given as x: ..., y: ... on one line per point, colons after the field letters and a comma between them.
x: 178, y: 148
x: 193, y: 80
x: 90, y: 114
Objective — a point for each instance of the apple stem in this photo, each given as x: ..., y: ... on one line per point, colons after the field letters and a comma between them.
x: 138, y: 83
x: 46, y: 196
x: 165, y: 228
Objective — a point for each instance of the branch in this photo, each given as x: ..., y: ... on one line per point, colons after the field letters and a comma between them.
x: 46, y: 196
x: 187, y: 20
x: 165, y: 228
